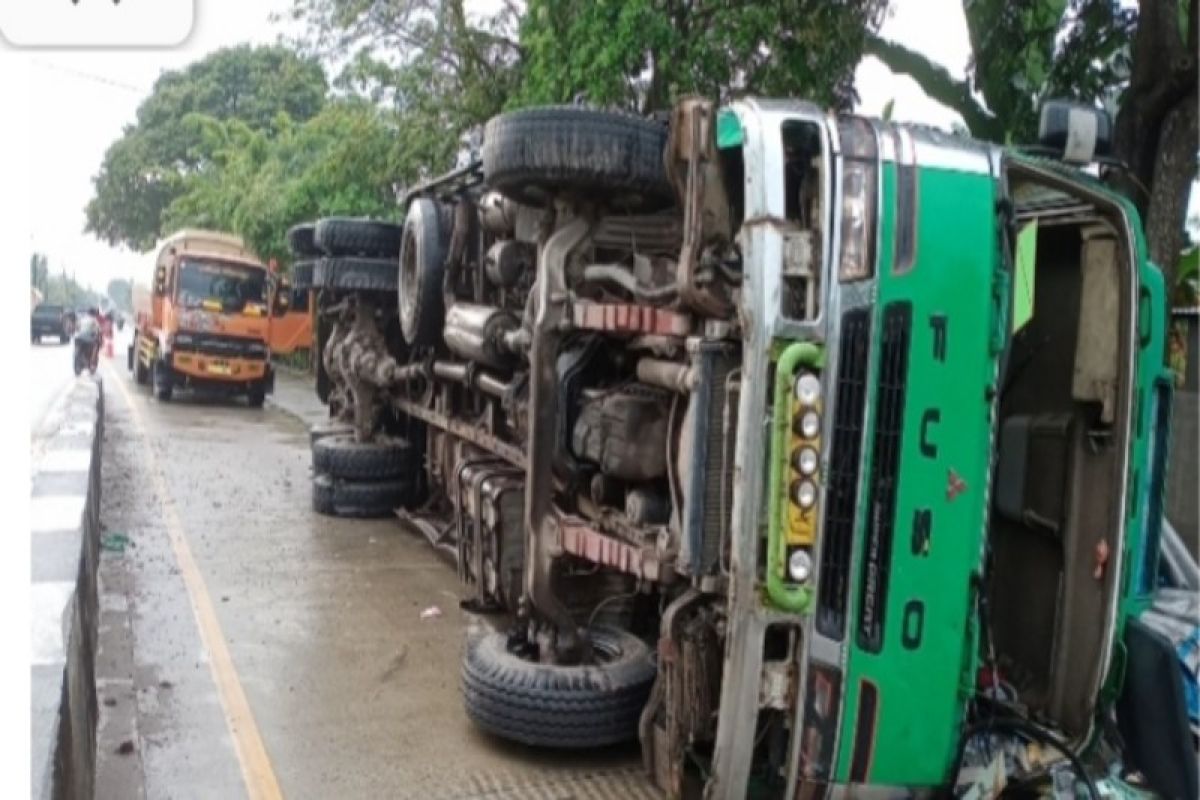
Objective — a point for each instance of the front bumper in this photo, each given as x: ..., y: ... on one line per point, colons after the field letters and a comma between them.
x: 219, y: 369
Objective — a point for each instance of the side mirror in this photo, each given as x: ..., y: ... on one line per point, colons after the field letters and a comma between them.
x: 160, y: 280
x: 1076, y: 133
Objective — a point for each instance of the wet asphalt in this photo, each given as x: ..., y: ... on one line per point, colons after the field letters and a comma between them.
x: 350, y: 692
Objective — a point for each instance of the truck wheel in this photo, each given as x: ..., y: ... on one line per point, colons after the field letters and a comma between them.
x: 301, y: 242
x: 163, y: 388
x: 555, y: 705
x: 141, y: 375
x: 355, y: 274
x: 346, y: 236
x: 537, y: 153
x: 331, y: 428
x: 341, y: 456
x: 302, y: 274
x: 256, y: 395
x: 341, y: 498
x: 64, y: 338
x: 422, y: 264
x: 129, y: 357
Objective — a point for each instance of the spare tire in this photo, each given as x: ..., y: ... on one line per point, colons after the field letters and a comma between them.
x: 302, y: 274
x: 346, y: 236
x: 355, y: 274
x: 555, y: 705
x: 340, y: 498
x: 616, y: 159
x: 422, y: 267
x: 300, y: 240
x: 341, y: 456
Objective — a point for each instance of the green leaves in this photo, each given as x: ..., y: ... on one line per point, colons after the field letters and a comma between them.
x: 642, y: 54
x: 176, y: 136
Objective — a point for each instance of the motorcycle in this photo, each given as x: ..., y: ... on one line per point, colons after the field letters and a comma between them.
x: 86, y: 355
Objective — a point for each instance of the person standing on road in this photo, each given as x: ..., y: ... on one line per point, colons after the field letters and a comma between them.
x: 88, y: 331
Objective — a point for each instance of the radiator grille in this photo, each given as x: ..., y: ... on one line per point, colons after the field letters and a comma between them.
x: 885, y: 464
x: 845, y: 456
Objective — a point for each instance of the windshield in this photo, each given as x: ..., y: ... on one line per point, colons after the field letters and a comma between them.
x: 48, y: 311
x: 231, y: 285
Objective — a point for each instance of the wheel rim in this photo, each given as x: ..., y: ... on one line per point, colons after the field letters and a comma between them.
x: 408, y: 280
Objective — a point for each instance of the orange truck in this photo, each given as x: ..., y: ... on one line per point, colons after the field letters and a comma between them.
x: 205, y: 321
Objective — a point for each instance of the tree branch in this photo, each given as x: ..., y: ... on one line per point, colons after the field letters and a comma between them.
x: 936, y: 82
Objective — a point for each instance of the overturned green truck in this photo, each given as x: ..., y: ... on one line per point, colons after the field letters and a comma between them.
x: 811, y: 450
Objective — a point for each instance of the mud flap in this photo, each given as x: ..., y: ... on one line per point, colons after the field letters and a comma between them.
x: 1152, y: 714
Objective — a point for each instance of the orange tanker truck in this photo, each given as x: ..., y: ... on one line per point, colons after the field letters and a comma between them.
x: 205, y: 321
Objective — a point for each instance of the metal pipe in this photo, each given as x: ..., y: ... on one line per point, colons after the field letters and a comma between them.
x: 490, y: 384
x: 449, y: 371
x: 615, y: 273
x: 669, y: 375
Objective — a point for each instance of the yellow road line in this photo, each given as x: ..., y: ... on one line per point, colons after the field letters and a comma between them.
x: 257, y: 772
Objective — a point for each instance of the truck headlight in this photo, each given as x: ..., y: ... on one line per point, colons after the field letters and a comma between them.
x: 181, y: 339
x: 804, y: 493
x: 805, y: 461
x: 860, y: 177
x: 808, y: 388
x: 799, y: 565
x: 808, y: 425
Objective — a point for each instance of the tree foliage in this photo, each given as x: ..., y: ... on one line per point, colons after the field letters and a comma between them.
x: 120, y: 292
x: 39, y: 271
x: 145, y: 170
x: 345, y: 160
x: 1139, y: 63
x: 641, y: 54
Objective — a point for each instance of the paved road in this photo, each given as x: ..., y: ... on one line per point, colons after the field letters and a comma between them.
x: 249, y: 647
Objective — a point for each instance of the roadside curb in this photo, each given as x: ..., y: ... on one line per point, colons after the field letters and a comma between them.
x: 64, y: 549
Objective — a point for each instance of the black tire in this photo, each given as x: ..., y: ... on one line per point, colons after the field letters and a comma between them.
x: 322, y: 495
x: 346, y: 236
x: 536, y: 154
x: 340, y: 456
x: 256, y: 395
x: 422, y: 266
x: 63, y: 339
x: 340, y: 498
x: 301, y: 241
x: 551, y: 705
x: 141, y: 375
x: 163, y: 388
x: 330, y: 428
x: 355, y: 274
x: 129, y: 357
x: 302, y: 274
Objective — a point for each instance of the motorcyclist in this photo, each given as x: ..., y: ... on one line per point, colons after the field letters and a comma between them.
x: 87, y: 334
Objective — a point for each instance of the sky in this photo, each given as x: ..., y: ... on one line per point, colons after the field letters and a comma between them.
x: 72, y: 105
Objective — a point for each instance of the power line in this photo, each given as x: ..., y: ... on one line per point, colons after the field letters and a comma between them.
x: 89, y: 76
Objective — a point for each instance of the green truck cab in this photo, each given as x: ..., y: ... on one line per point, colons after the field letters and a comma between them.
x: 963, y: 466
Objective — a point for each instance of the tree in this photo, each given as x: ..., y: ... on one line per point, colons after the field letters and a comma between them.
x: 120, y: 291
x: 39, y: 271
x: 1140, y: 63
x: 345, y: 160
x: 415, y: 53
x: 641, y: 54
x: 144, y: 171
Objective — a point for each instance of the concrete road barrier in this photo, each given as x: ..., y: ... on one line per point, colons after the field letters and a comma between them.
x: 65, y: 532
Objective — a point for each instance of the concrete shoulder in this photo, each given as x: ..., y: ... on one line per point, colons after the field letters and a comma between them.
x: 65, y: 531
